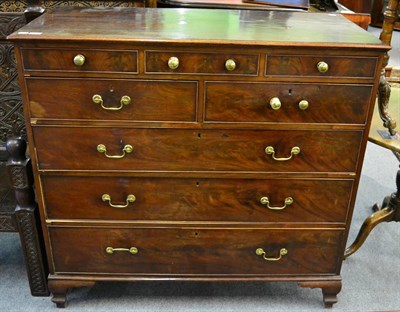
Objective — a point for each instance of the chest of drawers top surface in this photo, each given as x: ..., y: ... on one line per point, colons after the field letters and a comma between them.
x: 197, y: 25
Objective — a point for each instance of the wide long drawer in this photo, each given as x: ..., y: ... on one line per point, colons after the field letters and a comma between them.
x: 117, y: 148
x: 173, y: 199
x: 195, y: 251
x: 286, y: 102
x: 112, y: 99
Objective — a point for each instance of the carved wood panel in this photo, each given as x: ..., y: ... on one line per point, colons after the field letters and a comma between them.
x: 11, y: 114
x: 21, y: 5
x: 13, y: 6
x: 32, y: 251
x: 89, y: 3
x: 7, y: 223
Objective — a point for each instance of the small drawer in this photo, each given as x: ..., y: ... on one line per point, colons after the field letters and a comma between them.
x: 200, y: 251
x: 162, y: 62
x: 169, y: 199
x: 77, y: 60
x: 286, y: 102
x: 321, y: 66
x: 108, y: 99
x: 118, y: 148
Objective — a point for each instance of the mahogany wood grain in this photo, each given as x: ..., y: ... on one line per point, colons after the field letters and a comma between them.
x: 200, y: 199
x: 167, y: 101
x: 95, y: 60
x: 358, y: 5
x: 75, y: 148
x: 250, y: 102
x: 190, y: 251
x: 198, y: 167
x: 289, y: 65
x: 201, y: 63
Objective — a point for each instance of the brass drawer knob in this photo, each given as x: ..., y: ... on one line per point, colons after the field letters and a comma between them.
x: 265, y: 201
x: 79, y: 60
x: 275, y: 103
x: 269, y: 150
x: 173, y: 62
x: 125, y: 100
x: 127, y: 149
x: 303, y: 104
x: 131, y: 250
x: 129, y: 199
x: 230, y: 65
x: 322, y: 67
x: 261, y: 252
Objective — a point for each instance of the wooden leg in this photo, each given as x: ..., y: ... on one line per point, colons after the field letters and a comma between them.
x: 35, y: 262
x: 390, y: 16
x: 383, y: 104
x: 26, y: 216
x: 330, y: 289
x: 386, y: 214
x: 59, y: 291
x: 382, y: 215
x: 59, y: 288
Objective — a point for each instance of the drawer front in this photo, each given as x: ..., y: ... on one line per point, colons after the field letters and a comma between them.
x: 196, y: 251
x: 123, y: 61
x: 300, y: 103
x: 135, y: 100
x: 189, y: 150
x: 171, y: 199
x: 304, y: 65
x: 201, y: 63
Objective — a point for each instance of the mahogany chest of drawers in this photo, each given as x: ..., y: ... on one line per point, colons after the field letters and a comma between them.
x: 198, y: 145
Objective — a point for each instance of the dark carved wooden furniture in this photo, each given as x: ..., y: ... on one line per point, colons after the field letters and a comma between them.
x: 11, y: 115
x: 196, y: 145
x: 19, y: 213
